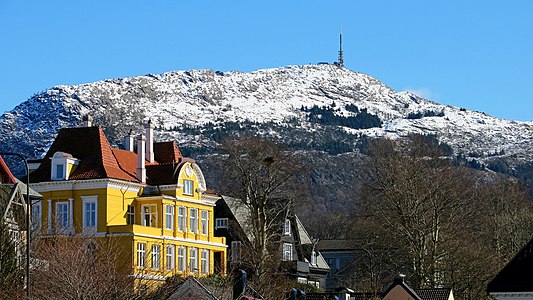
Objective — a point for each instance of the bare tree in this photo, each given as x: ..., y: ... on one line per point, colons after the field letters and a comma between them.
x: 80, y: 267
x: 446, y: 225
x: 509, y: 215
x: 263, y: 176
x: 12, y: 261
x: 11, y: 272
x: 421, y: 199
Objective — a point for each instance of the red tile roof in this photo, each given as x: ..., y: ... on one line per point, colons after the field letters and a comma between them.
x: 5, y: 174
x: 167, y: 152
x: 97, y: 159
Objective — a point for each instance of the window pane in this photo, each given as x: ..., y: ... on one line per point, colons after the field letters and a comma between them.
x: 188, y: 186
x: 131, y: 214
x: 205, y: 222
x: 193, y: 260
x: 182, y: 216
x: 287, y: 252
x: 141, y: 251
x: 156, y: 256
x: 62, y: 215
x: 181, y: 258
x: 205, y: 261
x: 170, y: 257
x: 169, y: 220
x: 149, y: 215
x: 90, y: 214
x: 194, y: 220
x: 59, y: 171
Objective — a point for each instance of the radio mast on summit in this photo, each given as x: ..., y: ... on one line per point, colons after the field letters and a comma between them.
x: 340, y: 62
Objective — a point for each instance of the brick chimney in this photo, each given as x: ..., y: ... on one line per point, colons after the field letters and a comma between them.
x: 128, y: 141
x: 149, y: 141
x: 141, y: 169
x: 87, y: 121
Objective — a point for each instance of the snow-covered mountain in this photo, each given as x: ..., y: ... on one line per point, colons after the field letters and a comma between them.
x: 190, y: 105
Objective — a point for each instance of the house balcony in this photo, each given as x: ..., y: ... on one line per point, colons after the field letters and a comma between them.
x: 160, y: 232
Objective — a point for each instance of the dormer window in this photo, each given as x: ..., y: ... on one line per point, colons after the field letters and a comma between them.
x: 188, y: 187
x: 62, y: 164
x: 60, y: 171
x: 287, y: 227
x: 313, y: 258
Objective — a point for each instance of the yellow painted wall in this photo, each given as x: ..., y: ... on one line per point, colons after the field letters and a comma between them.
x: 112, y: 220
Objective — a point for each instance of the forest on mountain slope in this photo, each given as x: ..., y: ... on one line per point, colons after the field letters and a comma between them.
x: 411, y: 209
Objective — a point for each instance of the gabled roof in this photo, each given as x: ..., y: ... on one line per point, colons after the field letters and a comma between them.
x: 240, y: 212
x: 517, y: 275
x: 419, y: 294
x: 91, y: 147
x: 5, y: 174
x: 191, y: 288
x: 399, y: 281
x: 97, y: 159
x: 307, y: 246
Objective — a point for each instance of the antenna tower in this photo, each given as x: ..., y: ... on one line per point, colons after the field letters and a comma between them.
x: 340, y: 63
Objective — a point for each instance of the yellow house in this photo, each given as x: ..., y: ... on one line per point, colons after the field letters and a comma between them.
x: 153, y: 202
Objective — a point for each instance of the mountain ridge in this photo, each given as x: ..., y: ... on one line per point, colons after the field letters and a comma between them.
x: 300, y: 97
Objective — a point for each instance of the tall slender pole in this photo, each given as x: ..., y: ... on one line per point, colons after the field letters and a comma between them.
x: 341, y: 59
x: 28, y: 220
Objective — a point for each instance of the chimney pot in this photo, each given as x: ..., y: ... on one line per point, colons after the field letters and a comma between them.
x: 128, y: 141
x: 87, y: 121
x: 141, y: 168
x: 149, y: 141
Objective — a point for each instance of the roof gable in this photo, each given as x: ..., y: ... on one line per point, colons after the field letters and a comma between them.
x: 191, y: 288
x: 399, y: 290
x: 5, y: 174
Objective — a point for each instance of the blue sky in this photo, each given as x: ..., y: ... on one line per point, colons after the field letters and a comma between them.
x: 472, y: 54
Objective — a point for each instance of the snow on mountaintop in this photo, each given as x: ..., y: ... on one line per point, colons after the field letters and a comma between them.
x: 200, y: 97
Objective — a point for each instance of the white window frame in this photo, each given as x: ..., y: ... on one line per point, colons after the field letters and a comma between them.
x: 62, y: 214
x: 204, y: 261
x: 221, y: 223
x: 36, y: 215
x: 182, y: 218
x: 156, y: 256
x: 313, y: 258
x: 236, y: 247
x: 204, y: 222
x: 188, y: 187
x: 193, y: 220
x: 88, y: 224
x: 141, y: 255
x: 193, y: 259
x: 302, y: 280
x: 287, y: 227
x: 169, y: 216
x: 287, y: 252
x: 130, y: 214
x: 59, y: 171
x: 171, y: 257
x: 150, y: 213
x: 182, y: 258
x: 61, y: 161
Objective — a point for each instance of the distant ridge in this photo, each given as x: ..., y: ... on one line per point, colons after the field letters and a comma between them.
x: 198, y: 107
